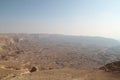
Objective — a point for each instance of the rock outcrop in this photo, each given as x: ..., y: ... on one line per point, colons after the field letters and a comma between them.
x: 111, y: 67
x: 33, y: 69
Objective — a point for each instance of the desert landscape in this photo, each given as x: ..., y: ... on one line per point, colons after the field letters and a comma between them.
x: 59, y: 39
x: 58, y: 57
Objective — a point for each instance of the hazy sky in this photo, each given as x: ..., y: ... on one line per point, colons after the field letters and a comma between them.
x: 71, y: 17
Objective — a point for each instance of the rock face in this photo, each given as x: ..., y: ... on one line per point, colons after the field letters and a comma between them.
x: 111, y: 67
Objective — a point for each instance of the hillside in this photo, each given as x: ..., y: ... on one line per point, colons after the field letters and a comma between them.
x: 33, y: 54
x: 56, y: 51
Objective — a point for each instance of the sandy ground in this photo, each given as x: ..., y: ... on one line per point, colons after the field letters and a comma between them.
x: 60, y: 74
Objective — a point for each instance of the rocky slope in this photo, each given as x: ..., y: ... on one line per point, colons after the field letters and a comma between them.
x: 57, y: 57
x: 112, y: 67
x: 48, y: 52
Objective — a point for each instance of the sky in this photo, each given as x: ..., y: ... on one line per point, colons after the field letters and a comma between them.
x: 69, y: 17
